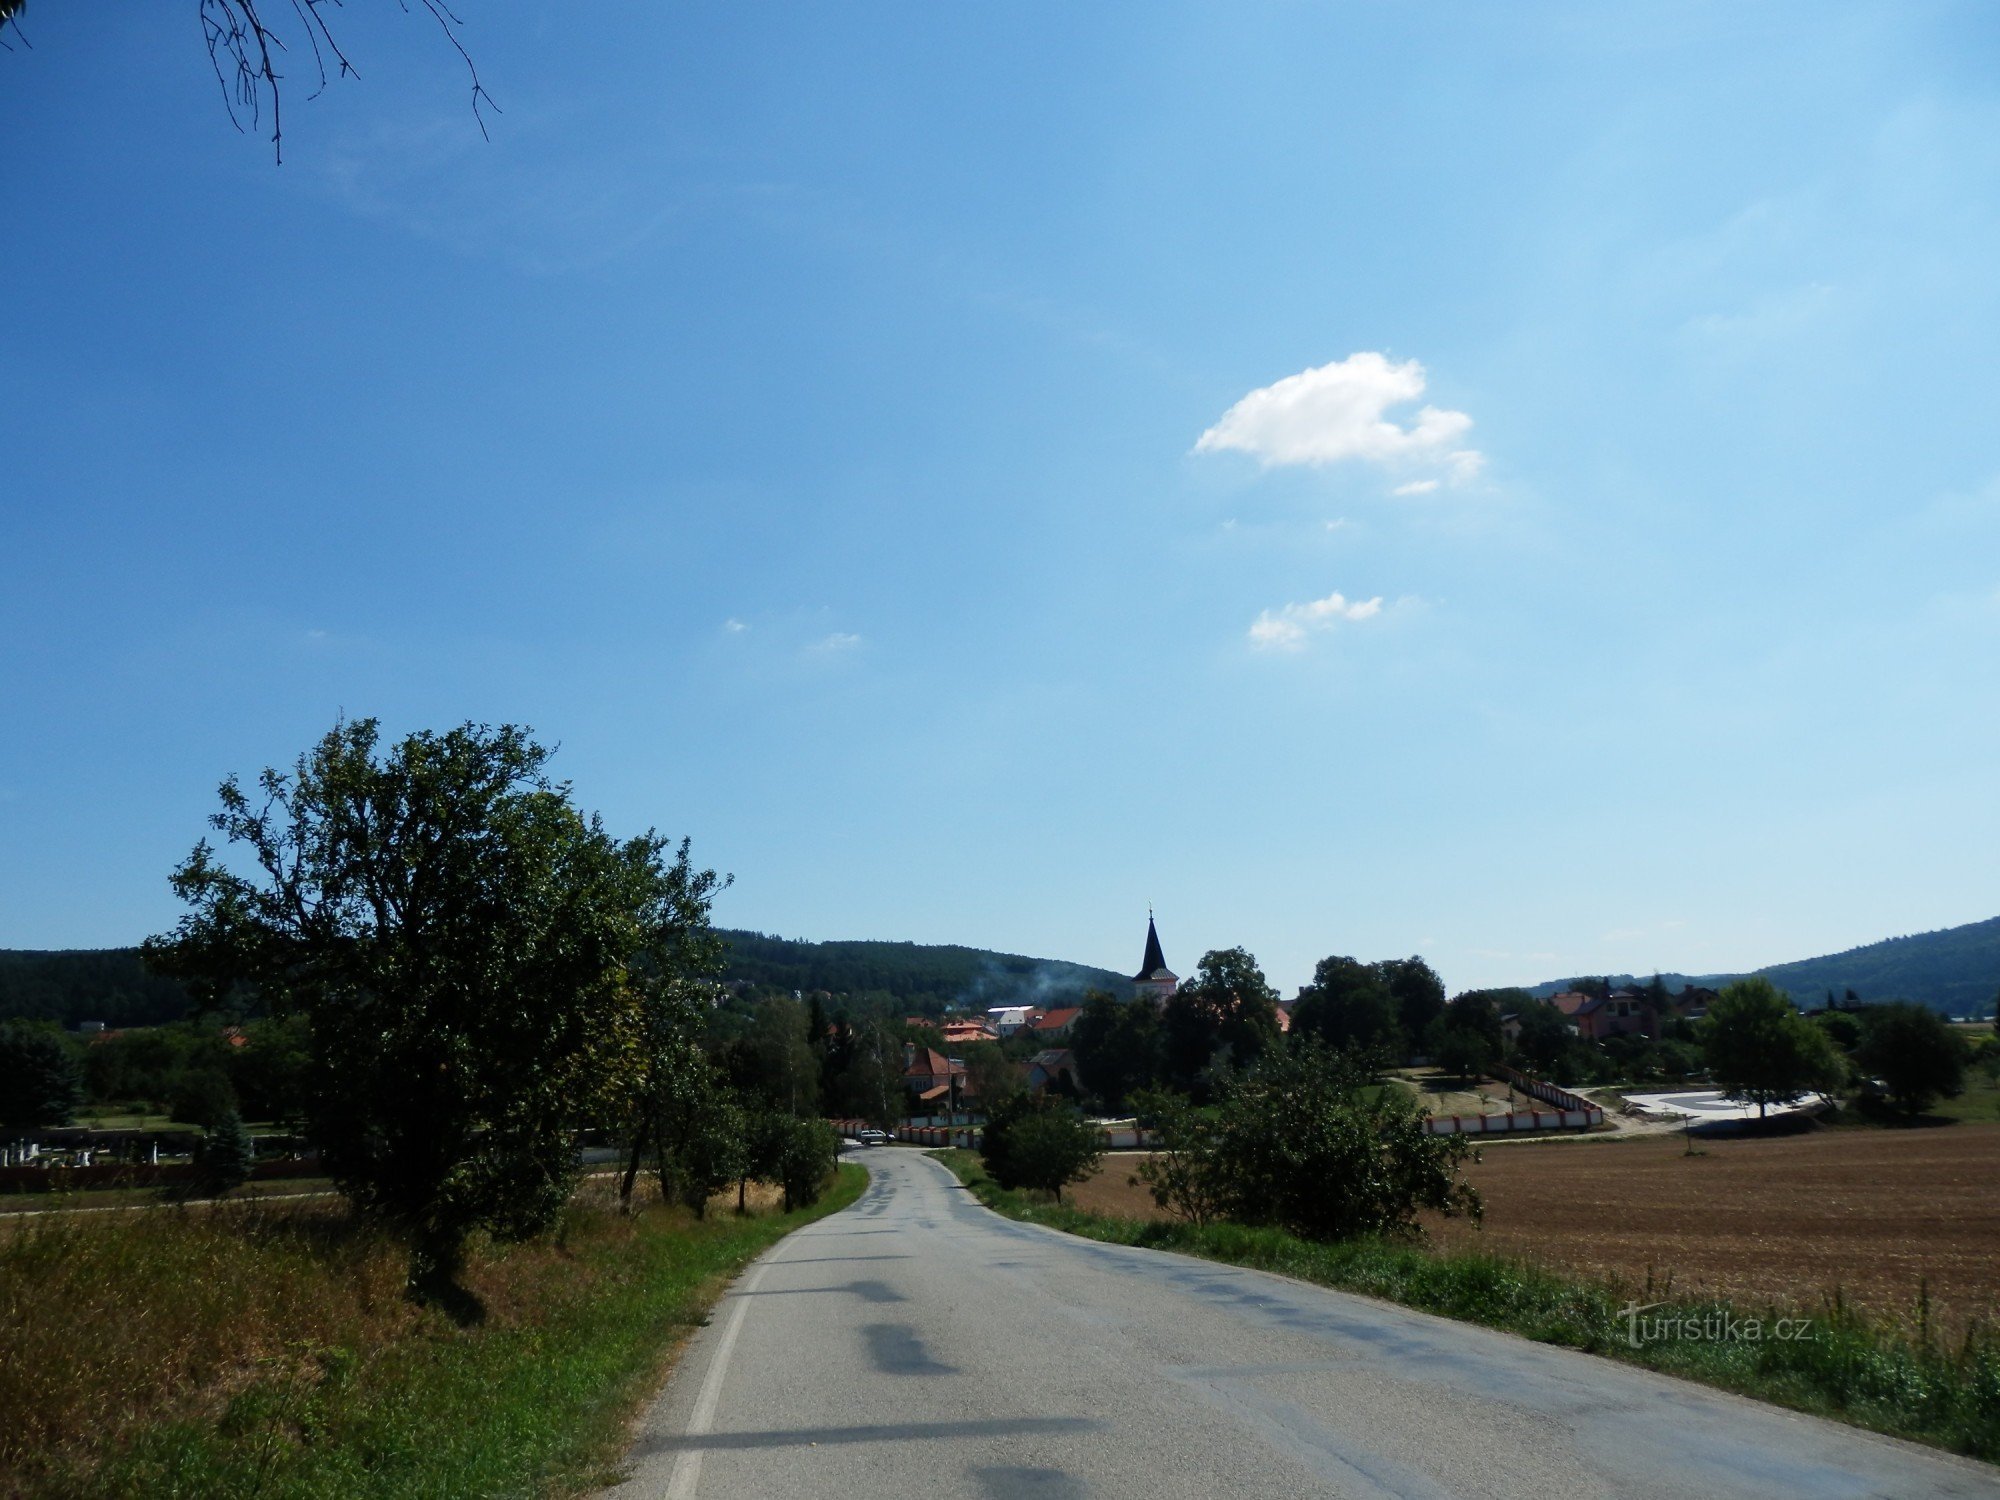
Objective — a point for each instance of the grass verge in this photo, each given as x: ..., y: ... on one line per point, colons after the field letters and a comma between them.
x: 1850, y: 1368
x: 266, y: 1349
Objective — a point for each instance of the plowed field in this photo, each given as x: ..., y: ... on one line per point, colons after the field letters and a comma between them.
x: 1873, y: 1213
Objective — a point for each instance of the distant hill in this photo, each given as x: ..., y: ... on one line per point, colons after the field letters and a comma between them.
x: 1956, y: 970
x: 112, y: 986
x: 921, y: 976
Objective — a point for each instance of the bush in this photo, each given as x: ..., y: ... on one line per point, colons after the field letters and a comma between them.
x: 1041, y: 1144
x: 1299, y: 1145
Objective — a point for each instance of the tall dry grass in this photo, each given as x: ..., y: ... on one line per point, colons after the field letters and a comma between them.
x: 266, y: 1348
x: 110, y: 1321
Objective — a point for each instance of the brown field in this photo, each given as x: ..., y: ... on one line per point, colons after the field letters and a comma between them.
x: 1873, y: 1213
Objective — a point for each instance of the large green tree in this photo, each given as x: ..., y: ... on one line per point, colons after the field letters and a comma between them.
x: 1041, y: 1143
x: 1118, y: 1047
x: 1761, y: 1050
x: 1227, y: 1014
x: 1350, y: 1006
x: 466, y: 948
x: 41, y: 1081
x: 1914, y: 1052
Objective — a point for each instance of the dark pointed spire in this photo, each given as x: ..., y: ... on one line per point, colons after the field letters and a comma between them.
x: 1154, y: 961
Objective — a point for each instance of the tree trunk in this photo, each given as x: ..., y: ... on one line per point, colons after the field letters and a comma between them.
x: 436, y: 1256
x: 631, y: 1171
x: 742, y: 1189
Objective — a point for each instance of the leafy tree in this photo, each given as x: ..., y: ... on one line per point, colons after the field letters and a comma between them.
x: 775, y: 1060
x: 706, y: 1151
x: 41, y: 1082
x: 1842, y: 1028
x: 1227, y: 1011
x: 1417, y: 991
x: 1039, y: 1143
x: 461, y: 942
x: 868, y: 1081
x: 224, y: 1157
x: 1181, y: 1170
x: 1119, y: 1048
x: 803, y: 1157
x: 1544, y: 1036
x: 1461, y: 1052
x: 202, y: 1096
x: 991, y: 1077
x: 1351, y: 1005
x: 1761, y: 1050
x: 270, y: 1070
x: 1466, y: 1039
x: 1915, y: 1053
x: 1299, y: 1144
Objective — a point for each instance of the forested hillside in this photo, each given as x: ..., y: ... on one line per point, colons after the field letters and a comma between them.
x: 1955, y: 970
x: 112, y: 986
x: 918, y: 976
x: 87, y: 984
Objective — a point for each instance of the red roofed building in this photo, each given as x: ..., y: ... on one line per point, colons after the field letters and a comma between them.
x: 964, y: 1031
x: 1057, y: 1022
x: 932, y: 1078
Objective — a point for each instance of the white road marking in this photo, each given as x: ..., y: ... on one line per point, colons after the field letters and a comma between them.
x: 687, y: 1468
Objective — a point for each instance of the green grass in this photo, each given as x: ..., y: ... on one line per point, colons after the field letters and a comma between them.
x: 269, y: 1353
x: 1851, y: 1369
x: 1978, y: 1104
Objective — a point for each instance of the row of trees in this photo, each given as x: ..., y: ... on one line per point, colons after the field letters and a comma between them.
x: 480, y: 973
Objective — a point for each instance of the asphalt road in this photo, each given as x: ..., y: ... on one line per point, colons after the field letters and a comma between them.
x: 917, y: 1345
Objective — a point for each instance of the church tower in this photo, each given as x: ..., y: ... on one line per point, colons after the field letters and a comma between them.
x: 1154, y: 981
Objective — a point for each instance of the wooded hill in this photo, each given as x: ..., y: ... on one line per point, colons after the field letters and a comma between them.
x: 1955, y: 970
x: 111, y: 984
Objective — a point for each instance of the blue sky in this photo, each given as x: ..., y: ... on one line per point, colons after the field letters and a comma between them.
x: 1516, y: 484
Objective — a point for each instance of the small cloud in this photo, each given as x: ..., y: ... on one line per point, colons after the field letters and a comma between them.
x: 734, y: 626
x: 1415, y: 487
x: 1287, y: 629
x: 1338, y: 523
x: 1339, y: 412
x: 839, y: 641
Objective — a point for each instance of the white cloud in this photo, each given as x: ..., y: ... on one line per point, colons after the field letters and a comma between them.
x: 1287, y: 629
x: 734, y: 626
x: 840, y: 640
x: 1338, y: 412
x: 1415, y: 487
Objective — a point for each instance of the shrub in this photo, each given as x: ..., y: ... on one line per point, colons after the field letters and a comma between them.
x: 224, y: 1158
x: 1299, y: 1145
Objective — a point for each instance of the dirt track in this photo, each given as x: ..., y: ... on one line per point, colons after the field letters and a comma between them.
x: 1871, y: 1212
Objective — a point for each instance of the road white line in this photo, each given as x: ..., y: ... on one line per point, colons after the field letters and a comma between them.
x: 687, y: 1467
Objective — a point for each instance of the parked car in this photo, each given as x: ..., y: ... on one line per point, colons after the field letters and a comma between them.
x: 873, y: 1137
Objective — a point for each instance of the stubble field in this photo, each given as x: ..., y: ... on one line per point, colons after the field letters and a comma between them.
x: 1873, y: 1214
